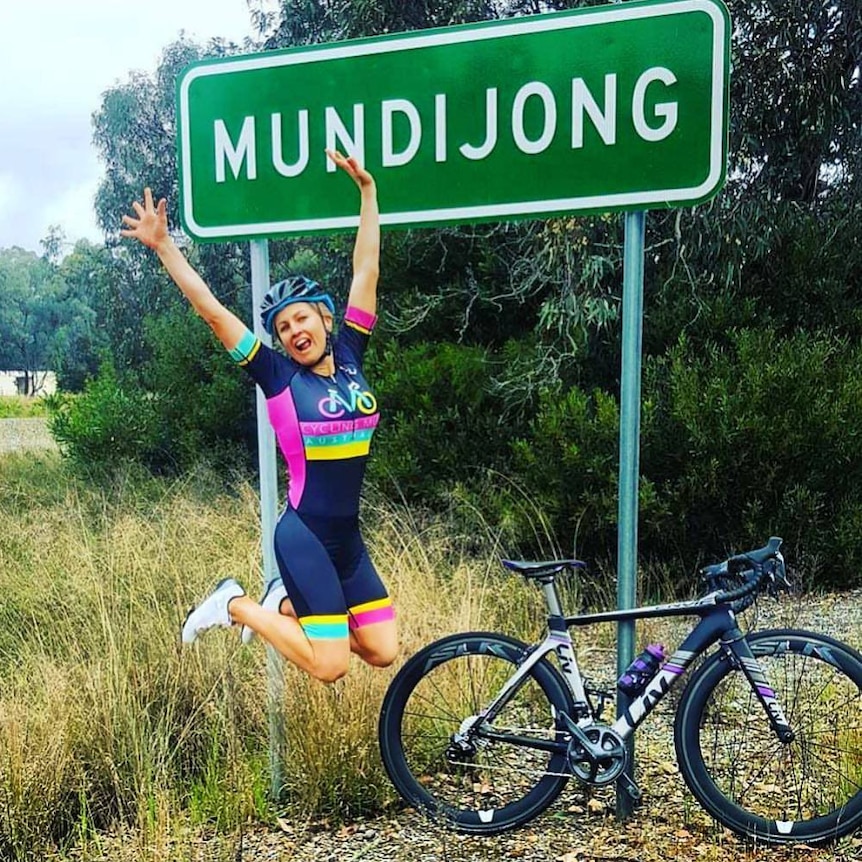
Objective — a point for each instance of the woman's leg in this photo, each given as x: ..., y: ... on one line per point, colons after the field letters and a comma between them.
x: 325, y: 659
x: 376, y: 644
x: 373, y: 630
x: 316, y: 638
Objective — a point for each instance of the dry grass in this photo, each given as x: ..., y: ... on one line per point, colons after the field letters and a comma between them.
x: 106, y: 720
x: 107, y: 724
x: 103, y: 716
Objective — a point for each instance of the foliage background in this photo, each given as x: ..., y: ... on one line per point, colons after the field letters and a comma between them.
x: 497, y: 356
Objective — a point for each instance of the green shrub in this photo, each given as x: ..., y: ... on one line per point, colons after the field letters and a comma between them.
x: 185, y: 405
x: 441, y: 422
x: 107, y: 425
x: 204, y: 401
x: 757, y: 436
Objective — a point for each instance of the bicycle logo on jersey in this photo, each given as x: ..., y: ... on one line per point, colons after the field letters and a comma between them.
x: 335, y: 405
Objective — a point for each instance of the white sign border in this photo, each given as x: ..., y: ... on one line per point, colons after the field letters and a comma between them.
x: 484, y: 212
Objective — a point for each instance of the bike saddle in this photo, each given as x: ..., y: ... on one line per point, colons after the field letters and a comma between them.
x: 542, y: 569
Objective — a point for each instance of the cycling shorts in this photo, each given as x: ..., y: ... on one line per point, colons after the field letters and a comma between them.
x: 328, y: 575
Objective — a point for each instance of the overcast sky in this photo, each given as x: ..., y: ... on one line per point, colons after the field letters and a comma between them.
x: 57, y: 57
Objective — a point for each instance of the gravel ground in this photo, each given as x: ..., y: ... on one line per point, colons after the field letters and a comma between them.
x: 17, y: 435
x: 580, y: 826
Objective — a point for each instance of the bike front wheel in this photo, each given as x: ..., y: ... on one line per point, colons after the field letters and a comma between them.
x: 806, y: 790
x: 447, y: 757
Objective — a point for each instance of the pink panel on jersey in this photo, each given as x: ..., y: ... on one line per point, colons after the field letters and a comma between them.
x: 285, y: 422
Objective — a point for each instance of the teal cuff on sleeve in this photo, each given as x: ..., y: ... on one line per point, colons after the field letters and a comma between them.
x: 245, y: 349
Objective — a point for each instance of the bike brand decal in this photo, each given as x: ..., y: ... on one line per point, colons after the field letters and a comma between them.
x: 780, y: 648
x: 645, y: 704
x: 766, y: 693
x: 821, y: 652
x: 656, y: 689
x: 451, y: 651
x: 566, y: 658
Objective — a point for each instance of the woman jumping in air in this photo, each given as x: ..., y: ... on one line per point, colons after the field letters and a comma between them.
x: 329, y: 600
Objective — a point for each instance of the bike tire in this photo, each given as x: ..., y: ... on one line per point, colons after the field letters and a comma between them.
x: 498, y: 786
x: 808, y: 790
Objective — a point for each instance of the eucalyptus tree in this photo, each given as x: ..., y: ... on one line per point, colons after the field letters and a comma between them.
x: 134, y: 131
x: 41, y: 319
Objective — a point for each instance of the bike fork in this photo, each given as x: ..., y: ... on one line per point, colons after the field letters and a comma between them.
x: 739, y: 652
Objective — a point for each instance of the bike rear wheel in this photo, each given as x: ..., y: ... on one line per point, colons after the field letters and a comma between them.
x: 808, y: 790
x: 463, y: 770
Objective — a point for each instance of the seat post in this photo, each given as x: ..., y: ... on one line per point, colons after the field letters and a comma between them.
x: 552, y: 596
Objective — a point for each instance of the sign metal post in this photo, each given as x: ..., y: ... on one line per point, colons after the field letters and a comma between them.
x: 630, y: 409
x: 259, y: 255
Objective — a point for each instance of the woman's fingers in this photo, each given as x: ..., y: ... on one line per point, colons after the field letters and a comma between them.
x: 149, y: 221
x: 147, y: 208
x: 348, y: 163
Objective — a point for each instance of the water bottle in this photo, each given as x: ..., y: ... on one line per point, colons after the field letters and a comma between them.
x: 641, y: 670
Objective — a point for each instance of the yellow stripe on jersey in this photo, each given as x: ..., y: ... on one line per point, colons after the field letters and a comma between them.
x: 371, y: 606
x: 339, y: 452
x: 252, y: 353
x: 357, y: 327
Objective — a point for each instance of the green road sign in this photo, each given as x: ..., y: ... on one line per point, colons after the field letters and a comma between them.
x: 606, y: 108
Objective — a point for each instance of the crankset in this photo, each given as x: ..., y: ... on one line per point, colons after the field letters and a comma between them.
x: 596, y: 753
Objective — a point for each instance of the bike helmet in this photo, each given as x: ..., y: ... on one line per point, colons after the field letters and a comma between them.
x: 297, y: 288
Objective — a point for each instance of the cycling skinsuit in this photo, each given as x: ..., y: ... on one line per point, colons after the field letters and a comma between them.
x: 323, y: 426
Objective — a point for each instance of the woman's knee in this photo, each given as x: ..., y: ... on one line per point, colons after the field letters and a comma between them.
x: 381, y: 653
x: 330, y: 668
x: 329, y: 673
x: 380, y: 660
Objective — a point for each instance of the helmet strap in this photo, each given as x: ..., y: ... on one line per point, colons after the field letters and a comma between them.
x: 327, y: 350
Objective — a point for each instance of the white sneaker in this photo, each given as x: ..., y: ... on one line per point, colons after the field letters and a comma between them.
x: 272, y: 597
x: 212, y: 611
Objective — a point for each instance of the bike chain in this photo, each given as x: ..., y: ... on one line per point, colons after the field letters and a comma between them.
x: 509, y: 769
x: 536, y: 730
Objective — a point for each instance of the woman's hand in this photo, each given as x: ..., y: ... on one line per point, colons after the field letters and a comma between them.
x: 352, y: 168
x: 151, y: 225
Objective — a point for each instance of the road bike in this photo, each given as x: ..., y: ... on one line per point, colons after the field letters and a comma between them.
x: 483, y: 731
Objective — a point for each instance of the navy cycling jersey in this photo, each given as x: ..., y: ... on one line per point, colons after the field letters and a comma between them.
x: 323, y: 425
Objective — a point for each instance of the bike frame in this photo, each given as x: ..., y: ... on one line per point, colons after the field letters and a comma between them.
x: 717, y: 624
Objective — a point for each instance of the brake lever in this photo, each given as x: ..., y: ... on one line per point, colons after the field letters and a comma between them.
x: 778, y: 580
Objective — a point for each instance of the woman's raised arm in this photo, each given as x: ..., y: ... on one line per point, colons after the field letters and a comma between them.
x: 366, y: 251
x: 149, y: 226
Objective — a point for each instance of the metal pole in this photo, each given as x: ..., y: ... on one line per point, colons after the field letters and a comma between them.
x: 259, y: 252
x: 627, y: 526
